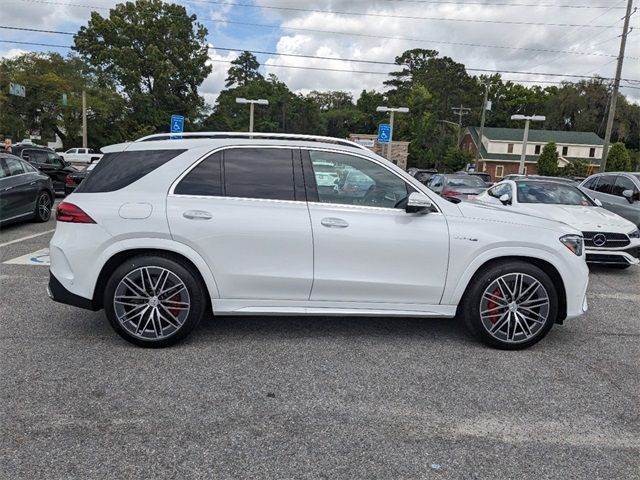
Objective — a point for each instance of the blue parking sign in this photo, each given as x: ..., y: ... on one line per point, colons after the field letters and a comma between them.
x: 176, y: 126
x: 384, y: 133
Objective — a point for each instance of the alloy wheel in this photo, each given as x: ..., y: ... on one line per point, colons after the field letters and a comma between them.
x: 44, y: 206
x: 514, y: 308
x: 151, y: 303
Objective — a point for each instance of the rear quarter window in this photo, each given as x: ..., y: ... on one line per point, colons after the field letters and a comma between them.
x: 120, y: 169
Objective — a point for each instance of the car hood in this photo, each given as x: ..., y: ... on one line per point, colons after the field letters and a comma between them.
x: 503, y: 214
x: 585, y: 219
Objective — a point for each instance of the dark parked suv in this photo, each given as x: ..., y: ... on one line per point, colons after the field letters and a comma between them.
x: 45, y: 160
x: 618, y: 192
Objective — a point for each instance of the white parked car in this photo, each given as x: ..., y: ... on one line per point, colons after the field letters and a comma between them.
x: 165, y: 230
x: 81, y: 155
x: 609, y: 238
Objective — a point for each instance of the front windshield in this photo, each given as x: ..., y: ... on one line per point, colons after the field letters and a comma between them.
x: 551, y: 193
x: 468, y: 181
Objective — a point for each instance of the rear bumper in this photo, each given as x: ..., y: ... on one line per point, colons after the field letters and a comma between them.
x: 629, y: 256
x: 58, y: 293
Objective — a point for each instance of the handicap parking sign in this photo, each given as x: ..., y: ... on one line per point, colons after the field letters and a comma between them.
x: 176, y: 126
x: 384, y: 133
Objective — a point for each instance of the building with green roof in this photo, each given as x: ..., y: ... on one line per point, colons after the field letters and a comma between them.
x: 501, y: 148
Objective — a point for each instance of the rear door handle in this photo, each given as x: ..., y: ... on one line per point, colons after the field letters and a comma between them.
x: 197, y: 215
x: 333, y: 222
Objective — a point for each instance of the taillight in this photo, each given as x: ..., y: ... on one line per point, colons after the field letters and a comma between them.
x: 450, y: 193
x: 69, y: 181
x: 68, y: 212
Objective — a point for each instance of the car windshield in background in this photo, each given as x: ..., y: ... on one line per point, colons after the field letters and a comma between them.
x: 465, y: 181
x: 551, y: 193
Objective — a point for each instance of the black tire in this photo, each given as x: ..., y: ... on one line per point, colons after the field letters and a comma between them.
x: 196, y: 296
x: 473, y: 302
x: 44, y: 205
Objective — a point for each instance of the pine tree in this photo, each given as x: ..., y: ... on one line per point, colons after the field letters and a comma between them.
x: 618, y: 159
x: 548, y: 160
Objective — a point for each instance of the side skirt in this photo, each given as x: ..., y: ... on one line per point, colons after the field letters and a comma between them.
x: 294, y: 307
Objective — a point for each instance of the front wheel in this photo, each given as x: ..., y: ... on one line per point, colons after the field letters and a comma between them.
x: 154, y: 301
x: 511, y: 306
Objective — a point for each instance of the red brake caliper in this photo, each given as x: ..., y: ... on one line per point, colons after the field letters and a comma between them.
x: 491, y: 305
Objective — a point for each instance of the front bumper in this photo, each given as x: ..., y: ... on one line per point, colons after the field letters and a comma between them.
x: 58, y: 293
x: 628, y: 256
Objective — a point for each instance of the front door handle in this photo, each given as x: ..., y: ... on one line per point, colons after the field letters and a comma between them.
x: 197, y: 215
x: 333, y: 222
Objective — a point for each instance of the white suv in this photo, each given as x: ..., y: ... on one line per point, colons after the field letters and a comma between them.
x: 165, y: 231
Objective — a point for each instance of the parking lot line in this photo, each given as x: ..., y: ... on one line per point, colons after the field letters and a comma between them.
x: 18, y: 240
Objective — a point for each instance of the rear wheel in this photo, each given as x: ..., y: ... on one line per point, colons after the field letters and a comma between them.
x: 511, y: 306
x: 153, y: 301
x: 44, y: 203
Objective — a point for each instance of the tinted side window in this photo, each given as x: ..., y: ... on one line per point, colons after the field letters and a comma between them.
x: 622, y: 184
x: 259, y: 173
x: 591, y: 183
x: 605, y: 184
x: 349, y: 180
x: 4, y: 172
x: 204, y: 179
x: 14, y: 166
x: 119, y: 169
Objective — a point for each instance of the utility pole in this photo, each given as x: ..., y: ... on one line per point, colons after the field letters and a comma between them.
x: 84, y: 119
x: 614, y: 93
x: 260, y: 101
x: 460, y: 111
x: 525, y: 138
x: 391, y: 112
x: 484, y: 110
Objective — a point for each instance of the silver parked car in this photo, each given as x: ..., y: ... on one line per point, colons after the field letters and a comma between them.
x: 618, y: 192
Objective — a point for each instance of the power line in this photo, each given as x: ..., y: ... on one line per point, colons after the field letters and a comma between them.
x: 502, y: 4
x: 353, y: 14
x: 420, y: 40
x: 261, y: 52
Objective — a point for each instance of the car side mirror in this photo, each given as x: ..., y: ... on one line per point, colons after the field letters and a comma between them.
x: 629, y: 195
x: 597, y: 202
x: 418, y: 203
x: 505, y: 199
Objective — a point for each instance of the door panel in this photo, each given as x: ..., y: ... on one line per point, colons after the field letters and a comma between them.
x: 257, y: 248
x: 365, y: 249
x: 368, y: 259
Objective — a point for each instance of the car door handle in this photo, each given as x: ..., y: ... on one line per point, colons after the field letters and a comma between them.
x: 197, y: 215
x: 33, y: 183
x: 6, y: 188
x: 332, y: 222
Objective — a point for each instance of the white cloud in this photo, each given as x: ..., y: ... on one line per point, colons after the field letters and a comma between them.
x: 214, y: 83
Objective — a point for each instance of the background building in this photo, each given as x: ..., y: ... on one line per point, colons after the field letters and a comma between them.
x: 399, y: 150
x: 501, y: 148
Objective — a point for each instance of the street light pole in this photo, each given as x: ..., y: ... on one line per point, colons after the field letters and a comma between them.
x: 391, y: 111
x: 260, y: 101
x: 84, y: 119
x: 525, y: 138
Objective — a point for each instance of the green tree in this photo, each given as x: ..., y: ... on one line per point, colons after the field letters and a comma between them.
x: 47, y: 77
x: 457, y: 159
x: 286, y: 112
x: 576, y: 168
x: 244, y: 69
x: 155, y: 53
x: 618, y: 159
x: 548, y: 160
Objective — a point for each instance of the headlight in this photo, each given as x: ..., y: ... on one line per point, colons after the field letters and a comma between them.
x: 635, y: 233
x: 573, y: 243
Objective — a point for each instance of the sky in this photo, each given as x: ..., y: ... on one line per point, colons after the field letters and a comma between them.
x: 564, y: 37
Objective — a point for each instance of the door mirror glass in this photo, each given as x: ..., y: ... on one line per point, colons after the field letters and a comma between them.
x: 505, y: 199
x: 418, y: 203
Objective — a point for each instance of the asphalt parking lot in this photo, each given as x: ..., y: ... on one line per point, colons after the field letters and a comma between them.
x: 291, y: 397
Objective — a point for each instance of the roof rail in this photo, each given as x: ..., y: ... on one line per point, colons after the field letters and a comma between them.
x: 258, y: 135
